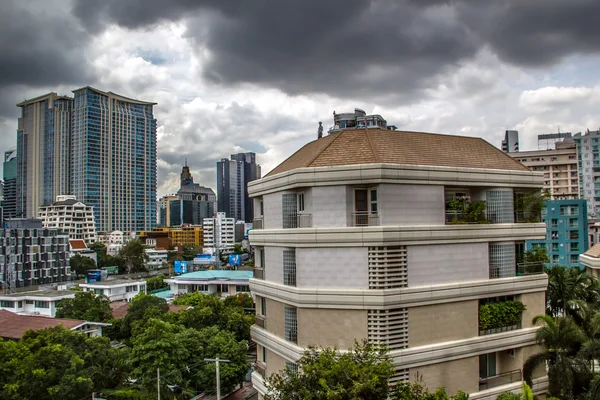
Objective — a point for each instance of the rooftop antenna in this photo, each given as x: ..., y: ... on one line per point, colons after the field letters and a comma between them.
x: 186, y: 161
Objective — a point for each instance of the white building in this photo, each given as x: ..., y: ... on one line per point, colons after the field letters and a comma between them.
x: 117, y: 289
x: 588, y: 152
x: 70, y: 215
x: 113, y: 241
x: 219, y: 232
x: 221, y: 282
x: 361, y: 240
x: 39, y: 302
x: 156, y: 259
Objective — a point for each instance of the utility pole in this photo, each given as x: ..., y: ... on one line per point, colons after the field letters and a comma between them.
x: 158, y: 382
x: 217, y: 361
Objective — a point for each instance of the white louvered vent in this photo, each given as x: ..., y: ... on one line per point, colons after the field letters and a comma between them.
x: 389, y: 327
x: 387, y: 267
x: 400, y: 375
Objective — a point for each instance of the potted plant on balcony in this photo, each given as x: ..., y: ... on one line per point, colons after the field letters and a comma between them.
x: 476, y: 211
x: 458, y: 209
x: 500, y: 316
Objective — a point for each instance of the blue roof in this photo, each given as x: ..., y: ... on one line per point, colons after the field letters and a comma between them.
x: 165, y: 294
x: 217, y: 274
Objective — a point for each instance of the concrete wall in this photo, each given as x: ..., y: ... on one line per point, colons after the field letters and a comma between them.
x: 332, y: 267
x: 273, y: 209
x: 442, y: 323
x: 527, y: 352
x: 275, y: 320
x: 275, y: 363
x: 411, y: 204
x: 328, y: 206
x: 439, y: 264
x: 274, y: 264
x: 536, y: 305
x: 331, y: 328
x: 452, y: 375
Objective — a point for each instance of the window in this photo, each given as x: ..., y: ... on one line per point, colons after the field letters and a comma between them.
x: 289, y: 267
x: 289, y: 210
x: 573, y: 235
x: 573, y: 223
x: 264, y: 354
x: 554, y: 247
x: 262, y: 208
x: 291, y: 368
x: 28, y: 301
x: 42, y: 304
x: 487, y: 365
x: 130, y: 289
x: 373, y: 200
x: 263, y: 306
x: 574, y: 246
x: 300, y: 201
x: 574, y: 259
x: 242, y: 288
x: 7, y: 304
x: 554, y: 223
x: 262, y: 258
x: 99, y: 291
x: 19, y: 304
x: 555, y: 259
x: 291, y: 324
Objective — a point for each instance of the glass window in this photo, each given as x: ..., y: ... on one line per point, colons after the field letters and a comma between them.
x: 574, y: 258
x: 242, y: 288
x: 487, y: 365
x: 373, y: 200
x: 7, y: 304
x: 262, y: 258
x: 42, y: 304
x: 300, y: 201
x: 573, y: 235
x: 554, y: 223
x: 263, y: 306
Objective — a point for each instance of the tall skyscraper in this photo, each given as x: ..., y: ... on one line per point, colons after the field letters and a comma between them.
x: 10, y: 183
x: 510, y: 144
x: 114, y: 159
x: 43, y: 152
x: 232, y: 185
x: 588, y: 159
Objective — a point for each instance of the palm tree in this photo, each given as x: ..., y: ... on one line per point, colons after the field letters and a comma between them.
x: 526, y: 394
x: 568, y: 372
x: 571, y: 292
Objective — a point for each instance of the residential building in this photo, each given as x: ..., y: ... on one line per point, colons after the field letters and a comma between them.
x: 233, y: 177
x: 164, y: 210
x: 70, y: 216
x: 116, y: 289
x: 38, y: 302
x: 186, y: 235
x: 113, y: 241
x: 9, y: 176
x: 114, y: 159
x: 157, y: 259
x: 390, y: 258
x: 219, y: 233
x: 560, y: 168
x: 13, y: 326
x: 566, y: 232
x: 358, y: 120
x: 32, y: 255
x: 510, y: 144
x: 78, y: 247
x: 43, y: 152
x: 221, y: 282
x: 588, y: 158
x: 158, y: 240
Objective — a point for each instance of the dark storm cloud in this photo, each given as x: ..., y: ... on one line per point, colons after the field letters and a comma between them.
x: 346, y: 47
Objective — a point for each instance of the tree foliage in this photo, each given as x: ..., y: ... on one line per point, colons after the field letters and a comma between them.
x: 80, y: 264
x: 85, y: 306
x: 134, y: 256
x: 156, y: 282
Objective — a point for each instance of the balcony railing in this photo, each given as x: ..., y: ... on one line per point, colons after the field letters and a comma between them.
x: 298, y: 221
x: 499, y: 330
x: 259, y: 273
x: 521, y: 269
x: 260, y: 368
x: 261, y: 321
x: 530, y: 268
x: 258, y: 223
x: 365, y: 218
x: 500, y: 379
x: 457, y: 217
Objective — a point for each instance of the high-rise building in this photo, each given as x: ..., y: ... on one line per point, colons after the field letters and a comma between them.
x: 559, y: 165
x: 219, y: 233
x: 114, y: 159
x: 71, y: 216
x: 43, y: 152
x: 387, y: 260
x: 510, y: 144
x: 232, y: 185
x: 9, y: 173
x: 588, y: 158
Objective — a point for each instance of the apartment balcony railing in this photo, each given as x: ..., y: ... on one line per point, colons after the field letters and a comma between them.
x: 520, y: 269
x: 521, y: 217
x: 457, y: 217
x: 499, y: 330
x: 258, y: 223
x: 500, y: 379
x: 261, y: 321
x: 530, y: 268
x: 298, y: 221
x: 259, y: 273
x: 365, y: 218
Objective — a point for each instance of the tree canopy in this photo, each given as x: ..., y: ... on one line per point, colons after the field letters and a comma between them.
x: 86, y: 306
x: 134, y: 256
x: 81, y: 264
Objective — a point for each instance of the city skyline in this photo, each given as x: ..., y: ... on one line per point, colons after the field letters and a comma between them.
x: 458, y: 76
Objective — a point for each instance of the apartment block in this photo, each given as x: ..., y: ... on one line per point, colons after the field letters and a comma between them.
x: 398, y: 238
x: 9, y: 177
x: 233, y: 177
x: 510, y: 143
x: 560, y: 168
x: 71, y: 216
x: 219, y: 233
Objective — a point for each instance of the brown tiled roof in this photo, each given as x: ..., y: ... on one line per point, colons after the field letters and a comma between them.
x: 14, y: 326
x: 120, y: 308
x: 373, y: 146
x: 593, y: 251
x: 77, y: 244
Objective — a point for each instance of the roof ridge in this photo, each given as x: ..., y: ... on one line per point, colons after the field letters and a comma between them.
x: 371, y: 146
x: 325, y: 148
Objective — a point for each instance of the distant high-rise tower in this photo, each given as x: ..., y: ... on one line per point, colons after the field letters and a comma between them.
x: 43, y: 152
x: 114, y: 159
x: 232, y: 185
x: 510, y: 144
x: 10, y: 183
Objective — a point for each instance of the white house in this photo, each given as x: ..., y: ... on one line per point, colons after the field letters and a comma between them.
x: 116, y: 289
x: 224, y: 283
x: 39, y: 302
x: 156, y: 258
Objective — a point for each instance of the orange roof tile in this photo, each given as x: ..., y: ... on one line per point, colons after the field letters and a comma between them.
x: 14, y: 326
x: 593, y: 251
x: 77, y: 244
x: 373, y: 146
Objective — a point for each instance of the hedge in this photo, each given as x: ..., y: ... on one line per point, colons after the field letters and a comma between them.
x: 500, y: 314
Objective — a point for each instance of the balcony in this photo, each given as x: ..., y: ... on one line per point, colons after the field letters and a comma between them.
x: 500, y: 316
x: 261, y: 321
x: 260, y: 368
x: 258, y: 223
x: 500, y: 379
x: 521, y: 269
x: 530, y: 268
x: 365, y: 218
x: 259, y: 273
x: 297, y: 221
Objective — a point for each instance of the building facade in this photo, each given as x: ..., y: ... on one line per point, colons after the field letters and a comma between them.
x: 566, y: 232
x: 32, y: 255
x: 233, y: 177
x: 219, y: 233
x: 560, y: 168
x: 588, y: 157
x: 117, y: 289
x: 43, y: 152
x: 9, y: 176
x: 39, y: 302
x: 157, y: 259
x: 215, y: 282
x: 114, y: 159
x: 355, y: 243
x: 510, y: 144
x: 70, y: 216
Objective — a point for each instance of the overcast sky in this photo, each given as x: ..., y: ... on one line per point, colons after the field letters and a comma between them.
x: 258, y: 75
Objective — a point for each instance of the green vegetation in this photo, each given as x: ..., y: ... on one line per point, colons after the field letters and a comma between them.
x: 134, y: 256
x: 80, y: 265
x: 85, y: 306
x: 156, y: 282
x: 500, y: 314
x: 467, y: 211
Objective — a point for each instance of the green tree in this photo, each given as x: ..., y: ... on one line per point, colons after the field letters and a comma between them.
x: 572, y: 292
x: 80, y: 265
x: 526, y: 394
x: 156, y: 282
x: 85, y: 306
x: 134, y: 256
x: 237, y: 249
x: 189, y: 252
x: 361, y: 373
x: 417, y: 391
x: 143, y: 308
x: 100, y: 250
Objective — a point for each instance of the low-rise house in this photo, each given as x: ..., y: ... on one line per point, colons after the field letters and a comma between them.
x: 116, y: 289
x: 14, y: 326
x: 222, y: 282
x: 39, y: 302
x: 156, y: 259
